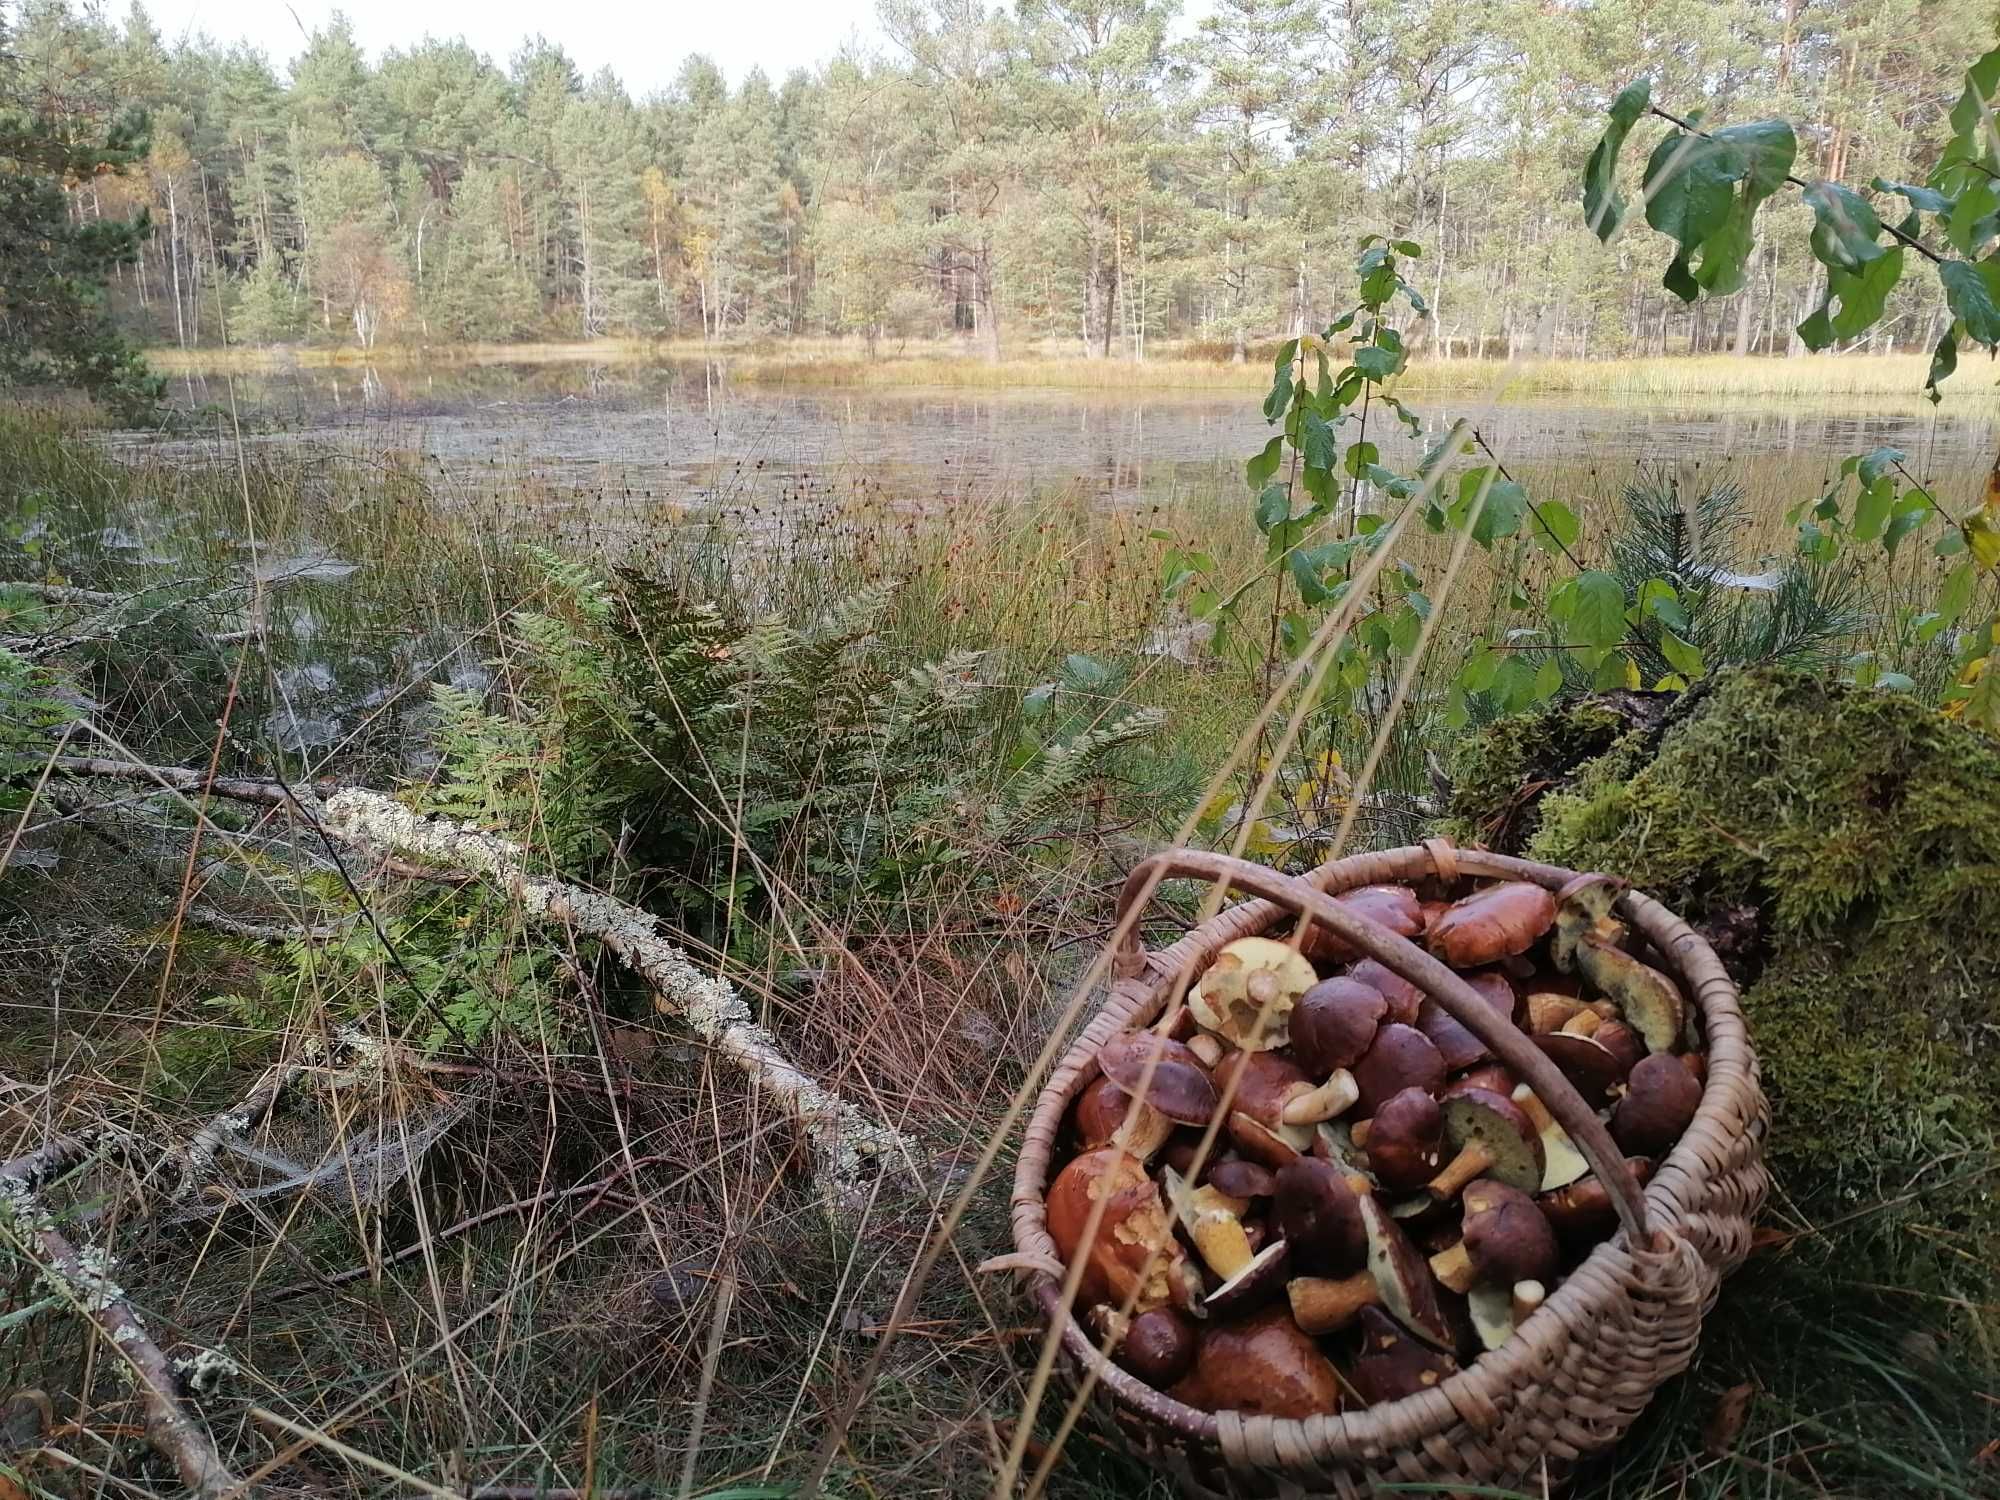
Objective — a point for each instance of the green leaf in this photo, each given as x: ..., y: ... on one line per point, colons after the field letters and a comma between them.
x: 1955, y: 595
x: 1926, y: 199
x: 1603, y: 204
x: 1476, y: 676
x: 1861, y: 296
x: 1906, y: 519
x: 1873, y: 464
x: 1500, y: 514
x: 1683, y: 656
x: 1260, y: 469
x: 1944, y: 360
x: 1274, y: 507
x: 1317, y: 445
x: 1553, y: 526
x: 1615, y: 672
x: 1971, y: 221
x: 1404, y: 628
x: 1871, y: 511
x: 1763, y: 152
x: 1661, y: 601
x: 1690, y: 194
x: 1281, y: 381
x: 1377, y: 363
x: 1968, y: 292
x: 1548, y: 679
x: 1599, y: 615
x: 1844, y: 227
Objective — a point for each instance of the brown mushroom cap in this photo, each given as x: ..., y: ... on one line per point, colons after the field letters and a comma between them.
x: 1335, y: 1023
x: 1507, y: 1238
x: 1649, y: 1002
x: 1456, y: 1043
x: 1241, y: 1179
x: 1180, y: 1087
x: 1492, y: 924
x: 1135, y: 1228
x: 1257, y: 1283
x: 1391, y: 1364
x: 1262, y: 1366
x: 1247, y: 993
x: 1158, y: 1345
x: 1403, y: 997
x: 1401, y: 1058
x: 1582, y: 1213
x: 1406, y: 1141
x: 1265, y: 1084
x: 1493, y: 1138
x: 1593, y: 1070
x: 1100, y: 1119
x: 1392, y: 906
x: 1319, y: 1215
x: 1661, y: 1098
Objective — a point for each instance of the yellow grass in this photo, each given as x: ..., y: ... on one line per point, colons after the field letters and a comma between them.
x: 836, y: 362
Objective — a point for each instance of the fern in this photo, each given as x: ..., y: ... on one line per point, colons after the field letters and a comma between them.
x: 1062, y: 773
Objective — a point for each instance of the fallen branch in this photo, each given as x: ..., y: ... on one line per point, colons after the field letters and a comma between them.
x: 83, y: 1279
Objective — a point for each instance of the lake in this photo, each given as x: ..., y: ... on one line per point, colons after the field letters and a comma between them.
x: 684, y: 433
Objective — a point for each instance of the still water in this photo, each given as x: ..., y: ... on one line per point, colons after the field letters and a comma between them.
x: 685, y: 433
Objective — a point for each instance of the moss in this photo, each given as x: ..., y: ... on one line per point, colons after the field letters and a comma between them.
x: 1500, y: 775
x: 1863, y: 831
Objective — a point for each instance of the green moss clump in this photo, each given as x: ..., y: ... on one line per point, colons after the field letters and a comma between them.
x: 1863, y: 829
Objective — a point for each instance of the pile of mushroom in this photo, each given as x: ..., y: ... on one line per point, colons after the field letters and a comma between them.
x: 1311, y: 1187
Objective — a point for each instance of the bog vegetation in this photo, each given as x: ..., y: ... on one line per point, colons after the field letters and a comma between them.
x: 619, y: 1106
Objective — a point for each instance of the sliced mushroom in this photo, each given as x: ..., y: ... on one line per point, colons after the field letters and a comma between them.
x: 1491, y: 1137
x: 1562, y: 1163
x: 1396, y: 1278
x: 1262, y: 1366
x: 1319, y: 1214
x: 1649, y: 1001
x: 1582, y: 1213
x: 1583, y: 909
x: 1492, y: 924
x: 1101, y: 1120
x: 1246, y: 995
x: 1258, y: 1282
x: 1504, y: 1238
x: 1392, y: 906
x: 1213, y: 1221
x: 1134, y: 1254
x: 1158, y: 1346
x: 1403, y: 997
x: 1405, y: 1141
x: 1168, y: 1075
x: 1498, y: 1310
x: 1401, y: 1058
x: 1391, y: 1364
x: 1334, y: 1024
x: 1661, y: 1098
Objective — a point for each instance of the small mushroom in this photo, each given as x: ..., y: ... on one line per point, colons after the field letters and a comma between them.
x: 1319, y: 1214
x: 1592, y: 1067
x: 1504, y: 1238
x: 1582, y: 1213
x: 1213, y: 1221
x: 1391, y: 1364
x: 1172, y: 1078
x: 1247, y: 994
x: 1405, y: 1141
x: 1241, y: 1179
x: 1261, y: 1366
x: 1403, y: 997
x: 1456, y: 1043
x: 1492, y: 1138
x: 1392, y: 906
x: 1583, y: 909
x: 1497, y: 1310
x: 1397, y: 1279
x: 1562, y: 1163
x: 1258, y: 1282
x: 1549, y: 1011
x: 1276, y: 1105
x: 1101, y: 1115
x: 1661, y: 1098
x: 1649, y: 1001
x: 1401, y: 1058
x: 1491, y: 924
x: 1334, y: 1024
x: 1158, y: 1346
x: 1134, y: 1254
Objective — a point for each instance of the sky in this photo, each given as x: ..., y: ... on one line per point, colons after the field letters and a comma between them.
x: 643, y: 43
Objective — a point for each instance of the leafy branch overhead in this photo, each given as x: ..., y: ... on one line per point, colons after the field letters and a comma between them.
x: 1702, y: 188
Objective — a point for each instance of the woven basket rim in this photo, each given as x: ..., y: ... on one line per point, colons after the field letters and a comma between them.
x: 1673, y: 1187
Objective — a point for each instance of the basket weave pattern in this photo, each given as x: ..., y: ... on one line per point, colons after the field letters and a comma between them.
x: 1572, y: 1378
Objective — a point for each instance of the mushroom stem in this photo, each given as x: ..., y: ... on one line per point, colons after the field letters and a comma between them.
x: 1547, y: 1012
x: 1325, y: 1304
x: 1453, y: 1268
x: 1334, y: 1097
x: 1214, y: 1222
x: 1207, y: 1048
x: 1562, y: 1163
x: 1461, y: 1169
x: 1583, y: 1023
x: 1528, y: 1295
x: 1358, y: 1132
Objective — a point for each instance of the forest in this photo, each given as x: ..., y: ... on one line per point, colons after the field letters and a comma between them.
x: 1092, y: 179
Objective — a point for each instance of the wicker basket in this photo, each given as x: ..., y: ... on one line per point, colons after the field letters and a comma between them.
x: 1581, y: 1368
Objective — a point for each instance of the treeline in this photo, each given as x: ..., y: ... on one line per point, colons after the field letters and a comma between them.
x: 1075, y: 172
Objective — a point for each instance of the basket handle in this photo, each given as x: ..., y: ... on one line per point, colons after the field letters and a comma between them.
x: 1398, y: 954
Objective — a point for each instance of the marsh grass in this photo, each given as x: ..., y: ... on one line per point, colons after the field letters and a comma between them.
x: 567, y: 1344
